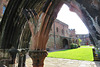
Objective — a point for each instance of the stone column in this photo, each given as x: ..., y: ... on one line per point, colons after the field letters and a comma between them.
x: 22, y: 57
x: 38, y: 57
x: 12, y: 53
x: 4, y: 57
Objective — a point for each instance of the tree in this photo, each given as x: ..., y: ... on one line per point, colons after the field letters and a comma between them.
x: 79, y: 42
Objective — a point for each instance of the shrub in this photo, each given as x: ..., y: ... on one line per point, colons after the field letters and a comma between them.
x: 73, y: 45
x: 79, y: 44
x: 76, y: 46
x: 47, y: 49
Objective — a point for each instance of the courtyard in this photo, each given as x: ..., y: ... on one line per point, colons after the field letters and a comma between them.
x: 84, y: 56
x: 58, y: 62
x: 82, y: 53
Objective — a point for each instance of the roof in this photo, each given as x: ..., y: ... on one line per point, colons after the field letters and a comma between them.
x: 58, y: 21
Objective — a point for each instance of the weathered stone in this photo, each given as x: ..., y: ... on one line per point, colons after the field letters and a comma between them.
x: 22, y: 57
x: 12, y: 53
x: 4, y: 57
x: 38, y: 57
x: 13, y: 21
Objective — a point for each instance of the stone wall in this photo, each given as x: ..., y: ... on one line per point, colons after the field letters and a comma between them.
x: 72, y: 33
x: 61, y: 30
x: 51, y: 45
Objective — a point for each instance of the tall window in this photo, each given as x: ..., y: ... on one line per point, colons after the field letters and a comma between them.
x: 67, y: 31
x: 62, y: 31
x: 57, y: 29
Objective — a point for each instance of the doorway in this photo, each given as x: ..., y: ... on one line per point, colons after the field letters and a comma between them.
x: 65, y: 43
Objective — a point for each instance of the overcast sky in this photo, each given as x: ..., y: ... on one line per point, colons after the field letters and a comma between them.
x: 72, y: 19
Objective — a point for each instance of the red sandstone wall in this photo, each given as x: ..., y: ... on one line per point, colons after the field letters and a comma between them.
x: 60, y: 27
x: 59, y: 41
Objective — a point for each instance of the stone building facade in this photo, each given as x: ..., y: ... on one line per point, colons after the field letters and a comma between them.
x: 85, y: 39
x: 72, y: 33
x: 60, y: 36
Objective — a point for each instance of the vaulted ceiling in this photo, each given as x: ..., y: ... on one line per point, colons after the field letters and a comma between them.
x: 14, y: 30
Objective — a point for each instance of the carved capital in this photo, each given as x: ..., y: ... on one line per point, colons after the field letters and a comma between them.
x: 22, y: 57
x: 22, y: 52
x: 38, y: 57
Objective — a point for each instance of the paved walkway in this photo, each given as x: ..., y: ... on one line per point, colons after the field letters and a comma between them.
x: 57, y: 62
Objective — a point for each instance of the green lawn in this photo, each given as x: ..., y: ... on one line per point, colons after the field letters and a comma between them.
x: 77, y: 54
x: 86, y: 46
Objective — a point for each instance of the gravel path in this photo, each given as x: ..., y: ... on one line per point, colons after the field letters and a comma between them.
x: 58, y: 62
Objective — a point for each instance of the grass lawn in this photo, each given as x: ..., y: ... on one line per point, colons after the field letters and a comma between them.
x: 86, y: 46
x: 77, y: 54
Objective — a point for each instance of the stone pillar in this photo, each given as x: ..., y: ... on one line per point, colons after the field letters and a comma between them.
x: 4, y: 57
x: 12, y: 53
x: 38, y: 57
x: 22, y: 57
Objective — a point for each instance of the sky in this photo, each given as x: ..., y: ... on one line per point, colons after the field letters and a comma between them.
x: 72, y: 19
x: 4, y: 9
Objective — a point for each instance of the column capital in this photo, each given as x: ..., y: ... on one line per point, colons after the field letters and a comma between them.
x: 38, y: 57
x: 22, y: 52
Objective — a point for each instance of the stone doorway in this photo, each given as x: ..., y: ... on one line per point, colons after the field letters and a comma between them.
x: 65, y: 43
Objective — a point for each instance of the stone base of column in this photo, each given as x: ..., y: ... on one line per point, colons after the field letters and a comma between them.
x: 12, y: 53
x: 38, y: 57
x: 22, y: 57
x: 4, y: 57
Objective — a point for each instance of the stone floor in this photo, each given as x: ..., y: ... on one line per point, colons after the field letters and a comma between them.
x: 57, y: 62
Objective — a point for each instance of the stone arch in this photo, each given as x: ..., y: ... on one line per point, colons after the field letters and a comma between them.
x: 65, y: 43
x: 9, y: 28
x: 14, y: 29
x: 13, y: 21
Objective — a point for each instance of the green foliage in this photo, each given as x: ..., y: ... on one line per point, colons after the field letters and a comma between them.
x: 98, y: 51
x: 76, y: 54
x: 79, y: 40
x: 73, y: 45
x: 98, y: 54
